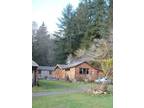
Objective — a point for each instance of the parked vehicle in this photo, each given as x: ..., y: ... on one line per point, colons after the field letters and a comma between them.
x: 104, y: 79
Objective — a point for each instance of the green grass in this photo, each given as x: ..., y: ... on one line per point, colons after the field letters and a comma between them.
x: 47, y: 85
x: 73, y: 100
x: 80, y: 100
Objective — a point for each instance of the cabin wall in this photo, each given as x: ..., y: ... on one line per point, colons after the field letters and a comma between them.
x: 43, y: 74
x: 70, y: 73
x: 59, y: 73
x: 92, y: 72
x: 73, y: 73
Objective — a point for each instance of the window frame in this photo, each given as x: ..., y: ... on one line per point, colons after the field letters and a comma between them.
x: 83, y: 71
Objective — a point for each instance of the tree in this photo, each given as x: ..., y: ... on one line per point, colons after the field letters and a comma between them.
x: 60, y: 53
x: 92, y: 20
x: 106, y: 65
x: 42, y: 46
x: 97, y: 27
x: 66, y: 25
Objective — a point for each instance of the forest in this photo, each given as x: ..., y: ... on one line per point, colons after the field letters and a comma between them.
x: 85, y: 33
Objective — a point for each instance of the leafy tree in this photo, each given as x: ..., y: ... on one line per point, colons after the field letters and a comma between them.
x: 106, y: 65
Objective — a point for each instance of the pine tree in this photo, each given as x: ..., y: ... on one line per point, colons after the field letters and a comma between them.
x: 60, y: 54
x: 81, y: 27
x: 41, y: 46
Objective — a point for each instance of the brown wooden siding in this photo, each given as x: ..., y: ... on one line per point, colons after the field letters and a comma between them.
x: 70, y: 74
x: 59, y: 73
x: 92, y: 75
x: 74, y: 73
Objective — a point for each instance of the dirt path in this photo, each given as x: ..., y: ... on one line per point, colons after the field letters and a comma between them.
x: 59, y: 92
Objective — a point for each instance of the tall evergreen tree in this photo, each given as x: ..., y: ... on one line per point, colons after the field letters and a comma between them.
x: 60, y: 54
x: 67, y: 25
x: 97, y: 27
x: 41, y: 46
x: 80, y: 28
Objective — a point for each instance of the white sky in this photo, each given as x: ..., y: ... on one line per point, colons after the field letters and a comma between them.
x: 49, y: 11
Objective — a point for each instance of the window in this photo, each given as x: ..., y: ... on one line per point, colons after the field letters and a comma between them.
x: 81, y: 70
x: 84, y: 71
x: 68, y: 69
x: 87, y: 71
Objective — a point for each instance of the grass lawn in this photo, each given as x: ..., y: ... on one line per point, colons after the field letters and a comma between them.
x: 74, y: 100
x: 48, y: 85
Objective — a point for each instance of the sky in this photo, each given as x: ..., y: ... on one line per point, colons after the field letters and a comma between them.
x: 49, y: 11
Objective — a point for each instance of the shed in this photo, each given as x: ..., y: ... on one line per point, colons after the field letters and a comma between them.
x: 45, y: 71
x: 79, y: 70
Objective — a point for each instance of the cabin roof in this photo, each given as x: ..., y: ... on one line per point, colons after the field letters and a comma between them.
x: 64, y: 66
x: 76, y: 63
x: 34, y: 64
x: 99, y: 69
x: 49, y: 68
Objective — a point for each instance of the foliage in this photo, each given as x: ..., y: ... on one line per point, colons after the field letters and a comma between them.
x: 91, y: 20
x: 78, y: 29
x: 42, y: 47
x: 60, y: 53
x: 96, y: 64
x: 106, y: 65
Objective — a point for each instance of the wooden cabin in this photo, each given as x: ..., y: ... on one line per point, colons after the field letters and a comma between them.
x: 34, y: 73
x: 45, y: 72
x: 59, y: 71
x: 75, y: 71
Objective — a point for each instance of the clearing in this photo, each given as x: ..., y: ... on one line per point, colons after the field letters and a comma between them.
x: 61, y: 94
